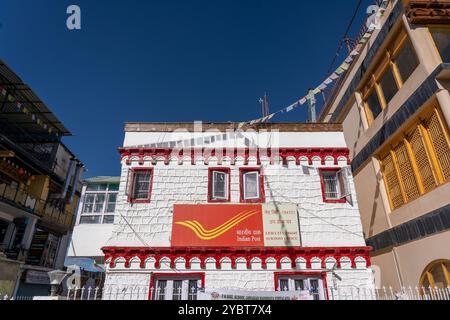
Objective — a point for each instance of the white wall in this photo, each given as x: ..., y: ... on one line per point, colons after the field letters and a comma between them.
x: 321, y: 224
x: 88, y: 239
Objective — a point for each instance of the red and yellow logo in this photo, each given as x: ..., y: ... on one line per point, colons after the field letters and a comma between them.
x: 217, y: 225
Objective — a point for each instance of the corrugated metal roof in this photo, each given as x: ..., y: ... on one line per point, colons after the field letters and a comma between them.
x: 27, y: 98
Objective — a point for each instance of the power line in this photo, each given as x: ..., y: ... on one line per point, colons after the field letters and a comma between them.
x: 344, y: 37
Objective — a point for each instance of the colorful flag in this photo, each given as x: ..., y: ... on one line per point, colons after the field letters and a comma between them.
x: 322, y: 87
x: 334, y: 76
x: 328, y: 81
x: 303, y: 101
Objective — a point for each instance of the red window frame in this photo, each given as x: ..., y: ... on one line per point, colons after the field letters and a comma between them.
x: 155, y: 276
x: 277, y: 275
x: 262, y: 195
x: 322, y: 184
x: 132, y: 180
x: 210, y: 177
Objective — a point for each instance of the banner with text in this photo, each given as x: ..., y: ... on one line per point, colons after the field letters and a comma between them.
x: 255, y: 225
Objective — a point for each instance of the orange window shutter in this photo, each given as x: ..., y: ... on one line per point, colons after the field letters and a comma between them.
x: 392, y: 183
x: 422, y: 160
x: 439, y: 138
x: 406, y: 172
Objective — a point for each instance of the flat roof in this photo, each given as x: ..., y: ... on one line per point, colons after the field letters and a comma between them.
x: 189, y: 126
x: 102, y: 179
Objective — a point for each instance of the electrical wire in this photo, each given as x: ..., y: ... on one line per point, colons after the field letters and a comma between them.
x: 344, y: 37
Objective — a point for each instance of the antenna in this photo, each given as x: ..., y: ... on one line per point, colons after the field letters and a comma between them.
x: 264, y: 105
x: 312, y: 118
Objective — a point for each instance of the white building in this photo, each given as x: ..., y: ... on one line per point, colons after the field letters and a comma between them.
x: 265, y: 208
x: 94, y: 222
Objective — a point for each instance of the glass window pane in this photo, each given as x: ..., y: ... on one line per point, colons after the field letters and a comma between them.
x: 284, y: 285
x: 330, y: 185
x: 406, y: 61
x: 108, y: 220
x: 299, y: 285
x: 441, y: 37
x: 113, y: 187
x: 97, y: 187
x: 89, y: 203
x: 161, y: 290
x: 193, y: 288
x: 99, y: 203
x: 111, y: 207
x: 90, y: 220
x: 251, y: 185
x: 388, y: 85
x: 219, y: 185
x: 141, y: 185
x: 374, y: 104
x: 177, y: 289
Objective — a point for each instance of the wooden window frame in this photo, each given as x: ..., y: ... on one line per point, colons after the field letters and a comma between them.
x: 322, y: 185
x: 132, y: 178
x: 434, y: 163
x: 262, y: 195
x: 387, y: 60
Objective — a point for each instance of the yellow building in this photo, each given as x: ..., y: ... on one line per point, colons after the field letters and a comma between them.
x: 394, y: 103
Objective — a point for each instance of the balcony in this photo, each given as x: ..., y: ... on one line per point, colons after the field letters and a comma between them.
x: 48, y: 212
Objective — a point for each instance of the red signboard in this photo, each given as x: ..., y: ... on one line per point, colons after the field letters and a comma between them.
x: 217, y: 226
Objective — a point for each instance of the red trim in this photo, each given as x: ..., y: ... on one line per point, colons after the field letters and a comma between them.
x: 262, y: 195
x: 233, y: 153
x: 148, y: 200
x: 210, y: 195
x: 154, y: 277
x: 203, y: 254
x: 322, y: 274
x: 325, y: 200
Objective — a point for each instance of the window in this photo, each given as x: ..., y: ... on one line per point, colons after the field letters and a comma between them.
x: 441, y: 37
x: 139, y: 185
x: 219, y: 185
x: 436, y: 275
x: 111, y: 204
x: 335, y: 184
x: 310, y: 285
x: 99, y: 200
x: 418, y: 160
x: 176, y: 288
x: 252, y: 185
x: 397, y: 64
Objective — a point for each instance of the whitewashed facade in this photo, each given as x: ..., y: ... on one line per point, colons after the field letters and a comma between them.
x: 295, y: 165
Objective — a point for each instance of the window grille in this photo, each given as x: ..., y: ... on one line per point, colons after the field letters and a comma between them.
x: 440, y: 140
x: 331, y: 185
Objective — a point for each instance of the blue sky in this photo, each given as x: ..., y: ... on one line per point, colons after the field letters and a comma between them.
x: 167, y: 60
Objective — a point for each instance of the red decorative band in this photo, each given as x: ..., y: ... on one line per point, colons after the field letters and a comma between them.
x: 308, y: 254
x: 246, y: 153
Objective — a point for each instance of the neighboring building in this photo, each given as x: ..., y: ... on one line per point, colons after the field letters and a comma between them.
x: 95, y: 222
x: 268, y: 209
x: 39, y: 189
x: 394, y: 104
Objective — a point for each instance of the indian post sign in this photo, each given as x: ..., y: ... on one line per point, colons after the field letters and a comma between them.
x: 235, y: 226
